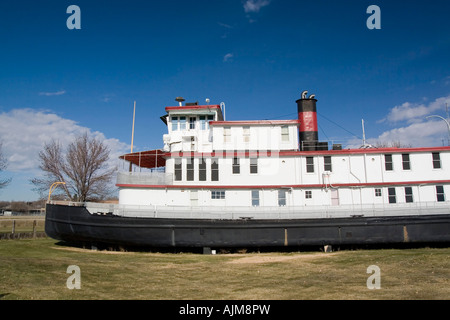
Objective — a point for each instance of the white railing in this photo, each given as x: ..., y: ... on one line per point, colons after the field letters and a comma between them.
x: 145, y: 178
x: 238, y: 212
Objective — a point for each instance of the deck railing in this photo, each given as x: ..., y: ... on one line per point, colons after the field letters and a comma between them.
x: 145, y: 178
x: 283, y: 212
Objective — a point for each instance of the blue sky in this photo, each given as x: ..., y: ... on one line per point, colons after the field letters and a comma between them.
x: 254, y: 55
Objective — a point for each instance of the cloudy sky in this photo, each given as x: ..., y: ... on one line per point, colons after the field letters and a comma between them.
x: 257, y: 56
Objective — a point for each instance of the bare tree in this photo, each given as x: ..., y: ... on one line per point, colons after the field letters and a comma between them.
x: 83, y: 169
x: 391, y: 144
x: 3, y: 165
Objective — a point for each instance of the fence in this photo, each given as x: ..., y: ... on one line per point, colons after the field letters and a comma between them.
x: 21, y: 228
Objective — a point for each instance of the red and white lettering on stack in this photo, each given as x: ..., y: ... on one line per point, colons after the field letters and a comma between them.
x: 307, y: 115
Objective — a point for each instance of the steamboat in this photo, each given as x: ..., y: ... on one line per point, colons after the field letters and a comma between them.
x: 264, y: 183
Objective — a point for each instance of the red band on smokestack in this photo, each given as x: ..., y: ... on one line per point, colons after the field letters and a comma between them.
x: 308, y: 121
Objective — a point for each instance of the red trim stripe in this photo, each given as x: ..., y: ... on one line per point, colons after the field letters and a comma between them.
x: 296, y: 186
x: 276, y: 153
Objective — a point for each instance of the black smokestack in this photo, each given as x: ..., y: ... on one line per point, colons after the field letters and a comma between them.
x: 307, y: 115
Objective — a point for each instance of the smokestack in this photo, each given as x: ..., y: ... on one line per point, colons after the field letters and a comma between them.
x: 307, y: 115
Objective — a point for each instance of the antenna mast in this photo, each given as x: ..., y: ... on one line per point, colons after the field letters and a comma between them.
x: 132, y: 134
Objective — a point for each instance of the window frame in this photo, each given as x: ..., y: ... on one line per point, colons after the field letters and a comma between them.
x: 440, y: 195
x: 406, y: 161
x: 409, y: 198
x: 309, y: 164
x: 178, y: 169
x: 218, y: 194
x: 255, y: 199
x: 253, y: 165
x: 214, y: 169
x: 388, y: 165
x: 436, y: 160
x: 392, y: 196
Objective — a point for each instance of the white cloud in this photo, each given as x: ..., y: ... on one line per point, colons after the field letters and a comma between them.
x: 255, y: 5
x: 227, y: 57
x: 413, y: 128
x: 413, y: 112
x: 25, y: 131
x: 48, y: 94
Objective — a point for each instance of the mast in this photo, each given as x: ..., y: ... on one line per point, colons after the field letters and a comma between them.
x: 132, y: 133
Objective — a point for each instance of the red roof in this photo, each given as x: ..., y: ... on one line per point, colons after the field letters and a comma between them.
x: 146, y: 159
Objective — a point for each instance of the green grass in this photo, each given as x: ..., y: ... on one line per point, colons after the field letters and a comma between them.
x: 36, y: 269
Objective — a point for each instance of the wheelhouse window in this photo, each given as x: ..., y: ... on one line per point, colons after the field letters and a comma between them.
x: 436, y: 160
x: 388, y: 164
x: 391, y: 195
x: 218, y: 194
x: 182, y: 123
x: 192, y: 121
x: 309, y: 164
x: 408, y: 194
x: 178, y: 170
x: 440, y: 195
x: 174, y: 123
x: 285, y: 133
x: 405, y: 161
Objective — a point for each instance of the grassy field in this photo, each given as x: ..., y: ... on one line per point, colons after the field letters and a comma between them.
x: 36, y: 269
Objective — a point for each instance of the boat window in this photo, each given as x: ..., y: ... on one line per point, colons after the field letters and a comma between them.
x: 405, y: 161
x: 440, y: 195
x: 178, y: 170
x: 202, y: 122
x: 202, y: 170
x: 255, y: 198
x: 227, y: 134
x: 327, y: 163
x: 309, y: 164
x: 253, y: 165
x: 246, y: 134
x: 281, y: 197
x: 174, y: 123
x: 308, y: 194
x: 388, y: 164
x: 436, y: 160
x: 408, y: 194
x: 284, y: 133
x: 377, y: 192
x: 236, y: 166
x: 214, y: 169
x: 192, y: 122
x: 182, y: 123
x: 190, y: 169
x: 392, y: 197
x: 217, y: 194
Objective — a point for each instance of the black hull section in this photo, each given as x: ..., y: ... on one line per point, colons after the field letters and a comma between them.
x: 76, y: 224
